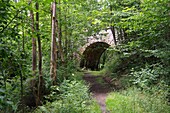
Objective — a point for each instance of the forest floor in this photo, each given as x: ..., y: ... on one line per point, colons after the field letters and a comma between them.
x: 99, y: 88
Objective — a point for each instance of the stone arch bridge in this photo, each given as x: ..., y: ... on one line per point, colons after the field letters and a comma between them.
x: 93, y: 49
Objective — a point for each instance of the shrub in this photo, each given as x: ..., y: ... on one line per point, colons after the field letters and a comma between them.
x: 74, y: 98
x: 151, y: 78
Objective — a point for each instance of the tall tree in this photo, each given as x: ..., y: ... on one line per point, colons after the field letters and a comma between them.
x: 53, y: 45
x: 40, y: 83
x: 59, y: 32
x: 112, y: 27
x: 66, y: 33
x: 34, y: 59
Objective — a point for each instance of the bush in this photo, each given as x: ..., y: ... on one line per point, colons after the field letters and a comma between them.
x: 150, y: 79
x: 74, y: 98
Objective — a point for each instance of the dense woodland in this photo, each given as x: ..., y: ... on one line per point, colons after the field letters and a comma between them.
x: 40, y: 57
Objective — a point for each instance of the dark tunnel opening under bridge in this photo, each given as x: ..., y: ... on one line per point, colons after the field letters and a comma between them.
x: 91, y: 55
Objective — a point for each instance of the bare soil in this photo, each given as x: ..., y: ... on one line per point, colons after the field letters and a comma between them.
x: 99, y: 88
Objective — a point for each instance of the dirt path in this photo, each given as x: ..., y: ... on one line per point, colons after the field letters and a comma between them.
x: 99, y: 89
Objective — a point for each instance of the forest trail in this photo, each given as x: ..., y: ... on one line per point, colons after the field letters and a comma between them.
x: 99, y: 89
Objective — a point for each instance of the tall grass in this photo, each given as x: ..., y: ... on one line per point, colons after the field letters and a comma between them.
x: 135, y: 101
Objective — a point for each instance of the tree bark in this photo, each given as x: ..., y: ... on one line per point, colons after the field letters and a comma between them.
x: 112, y: 27
x: 121, y: 35
x: 39, y: 41
x: 53, y: 46
x: 125, y: 35
x: 40, y: 83
x: 66, y: 33
x: 34, y: 59
x: 114, y: 36
x: 23, y: 37
x: 21, y: 70
x: 59, y: 33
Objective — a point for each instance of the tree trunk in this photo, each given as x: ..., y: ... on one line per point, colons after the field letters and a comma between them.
x: 114, y: 36
x: 40, y: 83
x: 59, y: 33
x: 33, y: 44
x: 53, y: 46
x: 112, y: 27
x: 125, y: 35
x: 23, y: 37
x: 21, y: 69
x: 66, y: 38
x: 121, y: 36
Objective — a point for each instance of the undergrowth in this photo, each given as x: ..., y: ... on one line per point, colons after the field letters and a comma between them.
x: 135, y: 101
x: 147, y: 71
x: 74, y: 97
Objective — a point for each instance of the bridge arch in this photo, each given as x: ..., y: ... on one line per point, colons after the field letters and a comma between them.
x: 91, y: 55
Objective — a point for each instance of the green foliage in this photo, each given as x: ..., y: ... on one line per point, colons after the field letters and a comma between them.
x: 66, y: 72
x: 9, y: 95
x: 74, y: 98
x: 133, y: 100
x: 153, y: 79
x: 116, y: 102
x: 13, y: 64
x: 146, y: 57
x: 148, y: 76
x: 112, y: 62
x: 146, y: 69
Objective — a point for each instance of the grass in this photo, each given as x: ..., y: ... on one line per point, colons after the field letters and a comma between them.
x: 135, y: 101
x: 117, y: 103
x: 94, y: 107
x: 96, y: 73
